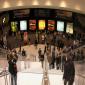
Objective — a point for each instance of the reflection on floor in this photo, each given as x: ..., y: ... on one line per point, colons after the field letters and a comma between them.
x: 30, y: 70
x: 32, y: 79
x: 34, y: 75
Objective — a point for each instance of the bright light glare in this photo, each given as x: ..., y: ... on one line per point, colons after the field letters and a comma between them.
x: 35, y: 2
x: 48, y: 2
x: 20, y: 3
x: 63, y: 4
x: 77, y: 7
x: 6, y: 4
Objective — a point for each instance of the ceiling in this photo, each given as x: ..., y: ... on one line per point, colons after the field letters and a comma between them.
x: 71, y: 5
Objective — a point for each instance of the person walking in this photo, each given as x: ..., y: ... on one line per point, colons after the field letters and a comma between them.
x: 42, y: 58
x: 12, y: 59
x: 69, y: 72
x: 53, y: 58
x: 39, y: 53
x: 48, y: 53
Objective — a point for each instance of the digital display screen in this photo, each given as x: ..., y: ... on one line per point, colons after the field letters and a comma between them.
x: 14, y: 26
x: 41, y: 24
x: 23, y: 25
x: 69, y: 28
x: 51, y: 25
x: 32, y: 24
x: 60, y: 26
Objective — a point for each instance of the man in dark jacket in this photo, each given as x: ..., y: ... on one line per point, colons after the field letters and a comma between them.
x: 69, y: 72
x: 12, y: 59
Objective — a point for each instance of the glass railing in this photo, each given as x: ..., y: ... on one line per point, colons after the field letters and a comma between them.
x: 80, y: 79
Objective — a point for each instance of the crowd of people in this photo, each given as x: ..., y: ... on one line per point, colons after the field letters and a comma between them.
x: 12, y: 58
x: 56, y: 57
x: 68, y: 65
x: 78, y: 55
x: 65, y: 63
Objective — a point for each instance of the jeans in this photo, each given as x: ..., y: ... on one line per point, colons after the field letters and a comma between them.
x: 13, y: 79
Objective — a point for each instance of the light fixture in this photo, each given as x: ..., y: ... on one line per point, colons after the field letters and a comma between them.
x: 48, y: 2
x: 62, y: 4
x: 77, y: 7
x: 35, y: 2
x: 20, y: 3
x: 6, y: 4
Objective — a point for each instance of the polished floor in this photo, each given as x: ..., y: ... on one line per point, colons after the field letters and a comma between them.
x: 34, y: 75
x: 30, y: 71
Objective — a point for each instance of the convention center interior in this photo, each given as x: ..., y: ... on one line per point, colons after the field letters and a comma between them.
x: 42, y: 42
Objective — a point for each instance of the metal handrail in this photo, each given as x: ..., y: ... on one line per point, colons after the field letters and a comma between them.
x: 4, y: 74
x: 80, y: 79
x: 80, y: 75
x: 45, y: 80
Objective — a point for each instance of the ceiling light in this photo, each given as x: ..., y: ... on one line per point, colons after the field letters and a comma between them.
x: 48, y: 2
x: 6, y: 4
x: 20, y: 3
x: 62, y: 4
x: 35, y: 2
x: 77, y: 7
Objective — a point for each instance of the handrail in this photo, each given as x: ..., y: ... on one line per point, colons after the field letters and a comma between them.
x: 45, y: 80
x: 79, y: 79
x: 3, y: 73
x: 81, y: 75
x: 77, y: 48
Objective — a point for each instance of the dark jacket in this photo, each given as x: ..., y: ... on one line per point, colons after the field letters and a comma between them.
x: 12, y: 67
x: 53, y: 56
x: 39, y: 52
x: 12, y: 64
x: 69, y: 70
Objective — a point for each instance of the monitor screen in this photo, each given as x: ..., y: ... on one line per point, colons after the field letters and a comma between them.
x: 60, y: 26
x: 14, y: 26
x: 69, y: 28
x: 51, y: 25
x: 23, y: 25
x: 32, y: 25
x: 41, y: 24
